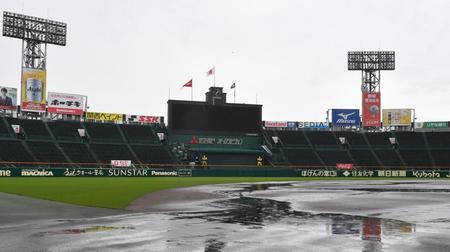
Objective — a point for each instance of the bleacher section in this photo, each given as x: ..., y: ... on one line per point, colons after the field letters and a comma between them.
x: 33, y: 129
x: 46, y: 152
x: 103, y: 133
x: 139, y: 133
x: 60, y: 142
x: 78, y: 152
x: 13, y: 150
x: 65, y: 130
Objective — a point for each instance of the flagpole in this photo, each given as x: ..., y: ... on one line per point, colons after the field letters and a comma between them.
x: 234, y: 93
x: 214, y: 76
x: 192, y: 93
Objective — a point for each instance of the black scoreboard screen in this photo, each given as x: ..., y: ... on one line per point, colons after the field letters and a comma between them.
x: 238, y: 118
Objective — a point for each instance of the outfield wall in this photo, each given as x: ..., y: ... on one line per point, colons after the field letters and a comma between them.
x: 221, y: 172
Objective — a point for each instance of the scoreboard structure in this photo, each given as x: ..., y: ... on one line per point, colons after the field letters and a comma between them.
x: 206, y: 117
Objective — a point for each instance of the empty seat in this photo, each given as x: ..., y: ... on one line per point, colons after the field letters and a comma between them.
x: 302, y: 157
x: 77, y: 152
x: 46, y: 152
x: 389, y: 158
x: 364, y: 158
x: 108, y: 152
x: 379, y: 139
x: 139, y: 133
x: 293, y: 138
x: 319, y: 138
x: 102, y: 132
x: 410, y: 139
x: 441, y: 157
x: 353, y: 139
x: 331, y: 158
x: 416, y: 158
x: 34, y: 129
x: 152, y: 154
x: 11, y: 150
x: 438, y: 139
x: 65, y: 130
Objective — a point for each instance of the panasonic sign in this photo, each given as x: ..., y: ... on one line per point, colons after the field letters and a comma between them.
x: 345, y: 117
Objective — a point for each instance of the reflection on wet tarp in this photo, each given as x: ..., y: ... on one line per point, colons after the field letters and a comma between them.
x: 258, y: 212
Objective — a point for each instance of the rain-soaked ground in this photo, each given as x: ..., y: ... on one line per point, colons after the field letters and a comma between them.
x: 298, y: 216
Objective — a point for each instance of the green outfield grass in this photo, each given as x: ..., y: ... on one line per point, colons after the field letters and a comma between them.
x: 111, y: 192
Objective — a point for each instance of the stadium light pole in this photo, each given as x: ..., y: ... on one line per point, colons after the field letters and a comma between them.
x: 35, y: 34
x: 370, y: 63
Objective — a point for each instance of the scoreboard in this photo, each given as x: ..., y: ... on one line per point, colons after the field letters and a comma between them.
x: 202, y: 116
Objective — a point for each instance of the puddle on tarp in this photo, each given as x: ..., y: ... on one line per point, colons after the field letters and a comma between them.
x: 261, y: 213
x: 92, y: 229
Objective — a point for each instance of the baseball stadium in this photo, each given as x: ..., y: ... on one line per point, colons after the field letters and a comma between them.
x: 214, y: 175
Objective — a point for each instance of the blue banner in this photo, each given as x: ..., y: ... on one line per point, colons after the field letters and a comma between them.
x: 345, y: 117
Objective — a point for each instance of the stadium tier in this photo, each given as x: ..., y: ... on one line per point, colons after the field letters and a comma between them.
x: 60, y: 143
x: 56, y: 142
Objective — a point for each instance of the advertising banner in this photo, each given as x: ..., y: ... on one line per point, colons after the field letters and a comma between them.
x: 344, y: 166
x: 222, y: 172
x: 434, y: 125
x: 345, y: 117
x: 69, y: 104
x: 34, y: 83
x: 8, y: 98
x: 396, y: 117
x: 371, y: 109
x: 120, y: 163
x: 279, y: 124
x: 313, y: 125
x: 98, y: 116
x: 142, y: 119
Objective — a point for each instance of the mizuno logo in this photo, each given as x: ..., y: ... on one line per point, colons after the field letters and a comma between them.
x: 345, y: 116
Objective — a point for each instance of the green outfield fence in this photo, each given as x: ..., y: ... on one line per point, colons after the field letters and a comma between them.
x: 33, y: 169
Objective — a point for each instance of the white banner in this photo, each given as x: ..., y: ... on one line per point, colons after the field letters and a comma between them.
x: 8, y: 98
x: 70, y: 104
x: 120, y: 163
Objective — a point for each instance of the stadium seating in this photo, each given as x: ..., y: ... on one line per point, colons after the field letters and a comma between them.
x: 290, y: 138
x: 389, y: 157
x: 103, y: 132
x: 331, y: 158
x: 4, y: 131
x: 441, y: 157
x: 152, y: 154
x: 410, y: 139
x: 108, y: 152
x: 302, y: 157
x: 46, y: 152
x: 355, y: 140
x: 65, y: 130
x: 139, y: 134
x: 322, y: 139
x: 379, y: 139
x: 416, y: 158
x: 363, y: 158
x: 78, y: 152
x: 33, y: 129
x: 438, y: 139
x: 12, y: 150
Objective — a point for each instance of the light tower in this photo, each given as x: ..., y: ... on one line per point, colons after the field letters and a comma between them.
x: 35, y: 34
x: 370, y: 64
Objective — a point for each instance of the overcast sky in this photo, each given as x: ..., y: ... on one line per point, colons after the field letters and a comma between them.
x: 126, y: 55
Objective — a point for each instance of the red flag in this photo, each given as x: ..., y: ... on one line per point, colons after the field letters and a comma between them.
x: 188, y: 84
x: 210, y: 72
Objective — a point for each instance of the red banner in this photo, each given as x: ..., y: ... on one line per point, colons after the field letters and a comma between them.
x: 344, y: 166
x: 371, y: 109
